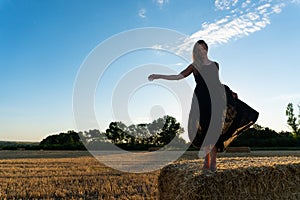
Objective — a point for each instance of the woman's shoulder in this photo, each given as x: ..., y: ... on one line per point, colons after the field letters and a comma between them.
x: 216, y: 63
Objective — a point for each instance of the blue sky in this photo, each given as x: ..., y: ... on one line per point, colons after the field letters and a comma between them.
x: 44, y: 43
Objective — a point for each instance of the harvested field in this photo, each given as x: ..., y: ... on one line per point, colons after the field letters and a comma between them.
x: 77, y: 175
x: 71, y: 178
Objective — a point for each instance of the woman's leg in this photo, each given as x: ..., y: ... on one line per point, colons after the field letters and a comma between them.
x: 213, y: 161
x: 206, y: 165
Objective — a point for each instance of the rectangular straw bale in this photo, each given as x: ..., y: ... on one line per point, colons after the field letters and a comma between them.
x: 184, y: 180
x: 238, y: 150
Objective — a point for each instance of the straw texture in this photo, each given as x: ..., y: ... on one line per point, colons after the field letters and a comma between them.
x: 236, y: 178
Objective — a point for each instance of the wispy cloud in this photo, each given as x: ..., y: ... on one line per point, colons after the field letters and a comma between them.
x: 179, y: 64
x: 142, y: 13
x: 241, y: 19
x: 225, y: 4
x: 158, y: 47
x: 161, y: 3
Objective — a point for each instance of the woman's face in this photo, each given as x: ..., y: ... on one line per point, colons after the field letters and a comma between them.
x: 202, y: 51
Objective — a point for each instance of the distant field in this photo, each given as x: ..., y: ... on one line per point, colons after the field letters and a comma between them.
x: 7, y: 154
x: 77, y: 175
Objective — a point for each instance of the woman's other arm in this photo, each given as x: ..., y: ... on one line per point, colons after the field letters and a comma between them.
x: 186, y: 72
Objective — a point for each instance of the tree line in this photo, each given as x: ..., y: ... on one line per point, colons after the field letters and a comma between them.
x: 259, y: 137
x: 159, y: 133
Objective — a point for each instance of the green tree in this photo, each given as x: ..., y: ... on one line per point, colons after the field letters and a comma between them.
x: 63, y: 141
x: 158, y: 133
x: 292, y: 119
x: 257, y: 127
x: 171, y: 130
x: 93, y: 136
x: 118, y: 133
x: 95, y: 140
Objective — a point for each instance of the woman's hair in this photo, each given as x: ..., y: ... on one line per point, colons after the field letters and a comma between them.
x: 197, y: 60
x: 204, y: 43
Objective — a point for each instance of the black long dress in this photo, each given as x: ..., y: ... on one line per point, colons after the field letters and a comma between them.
x: 236, y: 115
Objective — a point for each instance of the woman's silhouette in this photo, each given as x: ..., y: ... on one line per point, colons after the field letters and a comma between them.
x: 235, y: 115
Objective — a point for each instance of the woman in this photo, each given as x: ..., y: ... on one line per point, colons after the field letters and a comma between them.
x: 237, y: 116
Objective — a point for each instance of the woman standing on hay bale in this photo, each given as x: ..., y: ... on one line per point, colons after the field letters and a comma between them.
x: 235, y: 116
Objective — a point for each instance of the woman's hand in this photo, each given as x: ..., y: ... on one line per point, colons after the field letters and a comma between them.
x: 153, y: 76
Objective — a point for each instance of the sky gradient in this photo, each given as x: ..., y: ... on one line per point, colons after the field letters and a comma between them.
x: 44, y: 43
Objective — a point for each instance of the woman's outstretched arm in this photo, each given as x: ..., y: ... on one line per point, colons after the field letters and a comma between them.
x: 186, y: 72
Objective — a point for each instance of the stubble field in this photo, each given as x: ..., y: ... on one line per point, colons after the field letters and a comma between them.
x: 78, y: 175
